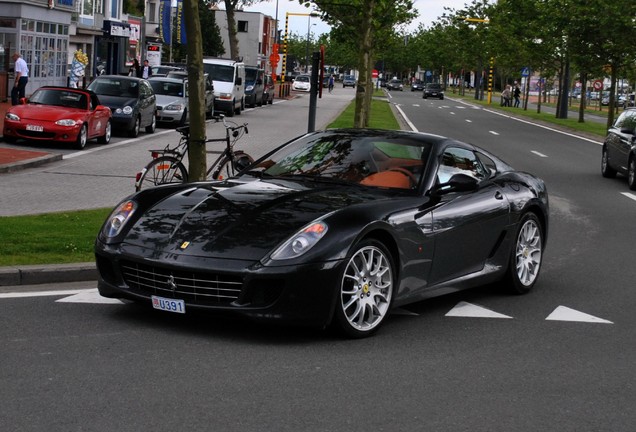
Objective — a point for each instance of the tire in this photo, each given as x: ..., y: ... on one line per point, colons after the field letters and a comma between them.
x: 225, y: 169
x: 631, y: 173
x: 82, y: 137
x: 164, y: 169
x: 134, y: 132
x: 105, y: 139
x: 366, y: 290
x: 525, y: 256
x: 152, y: 126
x: 606, y: 170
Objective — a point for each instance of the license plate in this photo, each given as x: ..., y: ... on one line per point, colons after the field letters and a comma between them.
x: 168, y: 305
x: 35, y: 128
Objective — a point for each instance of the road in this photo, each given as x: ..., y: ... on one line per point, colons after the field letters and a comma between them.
x: 557, y: 359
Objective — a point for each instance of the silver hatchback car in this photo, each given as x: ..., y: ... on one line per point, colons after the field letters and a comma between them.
x: 172, y: 100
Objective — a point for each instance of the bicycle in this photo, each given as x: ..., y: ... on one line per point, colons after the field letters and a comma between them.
x: 167, y: 164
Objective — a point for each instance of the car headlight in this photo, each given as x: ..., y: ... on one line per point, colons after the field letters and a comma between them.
x: 118, y: 218
x: 127, y: 110
x: 301, y: 242
x: 11, y: 116
x: 66, y: 122
x: 174, y: 107
x: 249, y: 88
x: 225, y: 96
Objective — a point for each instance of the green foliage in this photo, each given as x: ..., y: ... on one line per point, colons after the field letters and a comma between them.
x: 211, y: 36
x: 50, y: 238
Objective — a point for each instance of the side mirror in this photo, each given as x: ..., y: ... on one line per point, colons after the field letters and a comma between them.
x: 259, y: 81
x: 239, y: 80
x: 457, y: 183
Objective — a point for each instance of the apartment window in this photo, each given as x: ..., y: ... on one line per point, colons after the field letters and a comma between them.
x: 152, y: 12
x: 242, y: 26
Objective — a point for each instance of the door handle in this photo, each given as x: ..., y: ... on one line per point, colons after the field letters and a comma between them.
x: 498, y: 195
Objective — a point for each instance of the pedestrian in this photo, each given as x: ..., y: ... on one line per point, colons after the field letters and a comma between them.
x: 505, y: 96
x: 21, y: 71
x: 145, y: 71
x: 330, y: 83
x: 516, y: 93
x: 134, y: 70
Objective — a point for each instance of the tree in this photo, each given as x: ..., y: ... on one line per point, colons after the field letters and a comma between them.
x: 365, y: 23
x: 196, y: 104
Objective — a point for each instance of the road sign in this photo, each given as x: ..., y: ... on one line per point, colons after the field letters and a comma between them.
x: 525, y: 72
x: 598, y: 85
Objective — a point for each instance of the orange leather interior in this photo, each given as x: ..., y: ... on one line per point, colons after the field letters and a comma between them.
x: 391, y: 179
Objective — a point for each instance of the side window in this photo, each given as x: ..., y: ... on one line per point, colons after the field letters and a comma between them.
x: 627, y: 120
x: 460, y: 161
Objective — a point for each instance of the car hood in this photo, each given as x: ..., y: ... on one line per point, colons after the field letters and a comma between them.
x: 45, y: 112
x: 239, y: 220
x: 117, y: 101
x: 165, y: 100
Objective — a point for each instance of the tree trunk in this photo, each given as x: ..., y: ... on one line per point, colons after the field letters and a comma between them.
x: 196, y: 93
x: 364, y: 89
x: 583, y: 97
x: 612, y: 95
x: 231, y: 29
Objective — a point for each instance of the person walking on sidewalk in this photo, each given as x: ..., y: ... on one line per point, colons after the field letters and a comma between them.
x: 516, y: 93
x: 21, y: 71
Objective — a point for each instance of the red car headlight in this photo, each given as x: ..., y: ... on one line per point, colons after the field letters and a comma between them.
x: 66, y: 122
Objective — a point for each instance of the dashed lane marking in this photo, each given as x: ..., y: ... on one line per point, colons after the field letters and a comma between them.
x: 538, y: 154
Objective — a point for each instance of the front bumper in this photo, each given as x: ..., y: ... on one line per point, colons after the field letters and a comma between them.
x: 299, y: 294
x: 17, y: 130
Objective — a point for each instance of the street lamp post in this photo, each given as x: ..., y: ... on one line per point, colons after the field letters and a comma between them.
x: 308, y: 36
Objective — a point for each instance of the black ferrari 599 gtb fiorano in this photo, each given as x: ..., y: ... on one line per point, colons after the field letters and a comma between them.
x: 334, y: 227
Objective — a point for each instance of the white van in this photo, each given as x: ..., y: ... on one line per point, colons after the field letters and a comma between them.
x: 229, y: 84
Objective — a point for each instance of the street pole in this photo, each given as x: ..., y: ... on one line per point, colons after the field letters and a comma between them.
x: 313, y: 92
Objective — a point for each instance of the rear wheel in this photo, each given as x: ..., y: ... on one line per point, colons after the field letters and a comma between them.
x: 366, y: 290
x: 134, y: 132
x: 105, y: 139
x: 526, y: 257
x: 164, y: 169
x: 153, y: 125
x: 606, y: 170
x: 82, y: 137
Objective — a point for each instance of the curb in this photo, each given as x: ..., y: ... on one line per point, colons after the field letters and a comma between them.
x: 46, y: 274
x: 29, y: 163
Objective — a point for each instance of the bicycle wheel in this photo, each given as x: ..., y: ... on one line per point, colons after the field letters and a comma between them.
x: 164, y: 169
x: 225, y: 168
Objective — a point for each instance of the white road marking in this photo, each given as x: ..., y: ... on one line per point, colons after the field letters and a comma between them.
x: 629, y: 195
x: 452, y: 113
x: 89, y: 296
x: 494, y: 133
x: 468, y: 121
x: 406, y: 119
x: 40, y: 293
x: 538, y: 154
x: 563, y: 313
x: 416, y: 105
x: 464, y: 309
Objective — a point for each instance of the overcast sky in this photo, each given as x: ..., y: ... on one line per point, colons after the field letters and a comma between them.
x: 428, y: 11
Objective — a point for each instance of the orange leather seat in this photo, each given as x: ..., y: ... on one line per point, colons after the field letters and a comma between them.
x: 391, y: 179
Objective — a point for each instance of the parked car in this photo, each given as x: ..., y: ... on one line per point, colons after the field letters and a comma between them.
x: 619, y: 148
x: 433, y: 90
x: 349, y: 81
x: 302, y: 83
x: 358, y: 221
x: 228, y: 78
x: 417, y: 85
x: 269, y: 88
x: 254, y: 86
x: 395, y: 84
x: 131, y: 100
x: 173, y: 99
x: 61, y: 115
x: 163, y: 70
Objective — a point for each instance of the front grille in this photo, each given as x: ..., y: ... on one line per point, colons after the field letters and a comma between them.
x: 34, y: 134
x: 192, y: 286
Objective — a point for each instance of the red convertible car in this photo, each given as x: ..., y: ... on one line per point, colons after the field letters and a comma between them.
x: 59, y: 114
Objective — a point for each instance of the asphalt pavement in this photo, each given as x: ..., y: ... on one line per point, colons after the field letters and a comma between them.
x: 291, y: 112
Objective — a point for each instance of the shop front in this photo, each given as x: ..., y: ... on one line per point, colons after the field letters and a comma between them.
x: 111, y: 49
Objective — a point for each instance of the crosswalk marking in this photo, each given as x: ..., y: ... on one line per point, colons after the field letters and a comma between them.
x: 563, y: 313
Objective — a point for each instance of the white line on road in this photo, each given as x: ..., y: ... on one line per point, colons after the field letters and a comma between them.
x: 406, y: 119
x: 629, y: 195
x: 538, y: 154
x: 493, y: 132
x: 41, y: 293
x: 468, y: 121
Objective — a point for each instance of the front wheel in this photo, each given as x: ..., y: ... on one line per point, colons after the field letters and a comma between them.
x: 134, y: 132
x: 82, y: 137
x: 164, y: 169
x: 526, y: 256
x: 105, y: 139
x: 152, y: 126
x: 225, y: 168
x: 366, y: 290
x: 606, y: 170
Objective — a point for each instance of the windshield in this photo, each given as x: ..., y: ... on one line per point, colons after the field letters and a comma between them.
x: 250, y: 74
x: 382, y: 159
x: 302, y: 78
x: 219, y: 72
x: 63, y: 98
x: 115, y: 87
x: 433, y: 86
x: 167, y: 88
